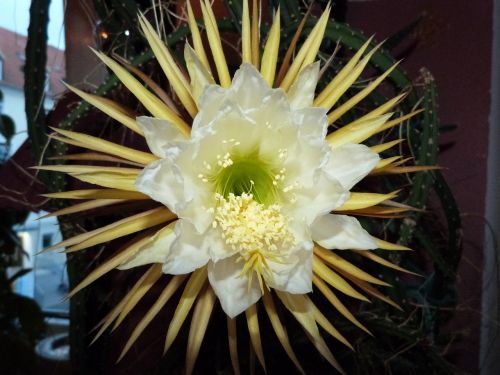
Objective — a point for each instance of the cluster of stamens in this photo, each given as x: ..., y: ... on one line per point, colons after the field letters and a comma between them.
x: 225, y: 160
x: 279, y: 177
x: 256, y: 232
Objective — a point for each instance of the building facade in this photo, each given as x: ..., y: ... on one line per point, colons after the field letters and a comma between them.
x: 48, y: 282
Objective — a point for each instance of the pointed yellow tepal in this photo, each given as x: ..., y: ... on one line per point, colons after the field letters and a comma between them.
x: 307, y: 52
x: 255, y: 34
x: 385, y: 146
x: 195, y: 34
x: 246, y: 41
x: 215, y: 44
x: 109, y: 107
x: 199, y: 324
x: 279, y: 329
x: 345, y: 107
x: 101, y: 145
x: 340, y: 76
x: 170, y: 68
x: 270, y: 55
x: 188, y: 297
x: 351, y: 77
x: 358, y: 201
x: 316, y: 43
x: 200, y: 76
x: 152, y: 103
x: 164, y: 297
x: 357, y: 133
x: 254, y: 332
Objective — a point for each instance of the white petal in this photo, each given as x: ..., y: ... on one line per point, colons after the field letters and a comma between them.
x: 350, y: 163
x: 273, y: 112
x: 341, y: 232
x: 162, y: 181
x: 293, y: 275
x: 312, y: 122
x: 195, y: 211
x: 209, y: 104
x: 210, y: 140
x: 200, y: 76
x: 323, y: 196
x: 248, y: 87
x: 155, y: 251
x: 305, y: 160
x: 247, y: 92
x: 231, y: 288
x: 188, y: 252
x: 218, y: 249
x: 301, y: 94
x: 160, y: 134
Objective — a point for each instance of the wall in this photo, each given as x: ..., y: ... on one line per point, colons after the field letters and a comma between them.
x: 13, y: 106
x: 455, y: 42
x: 490, y: 330
x: 48, y: 282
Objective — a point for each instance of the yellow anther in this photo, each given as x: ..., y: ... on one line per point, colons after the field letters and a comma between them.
x: 258, y: 233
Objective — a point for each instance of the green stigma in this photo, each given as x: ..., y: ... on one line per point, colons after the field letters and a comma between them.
x: 248, y: 175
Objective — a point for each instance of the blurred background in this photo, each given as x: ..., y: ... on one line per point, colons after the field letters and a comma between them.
x: 35, y: 314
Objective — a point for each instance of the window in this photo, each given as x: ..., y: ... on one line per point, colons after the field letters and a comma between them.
x: 48, y: 87
x: 47, y: 240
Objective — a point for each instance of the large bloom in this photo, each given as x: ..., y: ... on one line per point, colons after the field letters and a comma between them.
x: 252, y: 187
x: 252, y: 190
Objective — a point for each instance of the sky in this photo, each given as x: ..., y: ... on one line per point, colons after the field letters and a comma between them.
x: 14, y: 16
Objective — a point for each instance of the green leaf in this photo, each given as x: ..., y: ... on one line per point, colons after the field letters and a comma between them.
x: 453, y: 252
x: 425, y: 146
x: 35, y: 76
x: 235, y: 8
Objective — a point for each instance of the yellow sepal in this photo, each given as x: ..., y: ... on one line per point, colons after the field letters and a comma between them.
x: 98, y: 144
x: 152, y: 103
x: 385, y: 146
x: 356, y: 133
x: 193, y: 287
x: 340, y: 76
x: 195, y: 34
x: 254, y: 332
x: 215, y: 44
x: 170, y: 68
x: 111, y: 108
x: 246, y: 39
x: 358, y: 201
x: 339, y: 111
x: 199, y: 323
x: 124, y: 227
x: 334, y: 279
x: 162, y: 299
x: 270, y: 54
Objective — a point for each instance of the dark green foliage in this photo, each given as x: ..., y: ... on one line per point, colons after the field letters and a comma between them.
x: 424, y: 145
x: 35, y: 75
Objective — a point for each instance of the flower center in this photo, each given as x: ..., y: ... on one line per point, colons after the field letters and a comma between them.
x: 256, y: 232
x: 248, y: 175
